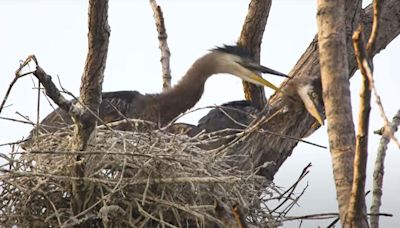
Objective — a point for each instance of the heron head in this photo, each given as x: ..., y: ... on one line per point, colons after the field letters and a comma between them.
x: 237, y: 61
x: 312, y: 102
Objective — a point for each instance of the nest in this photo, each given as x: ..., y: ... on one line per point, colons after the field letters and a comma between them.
x: 147, y: 178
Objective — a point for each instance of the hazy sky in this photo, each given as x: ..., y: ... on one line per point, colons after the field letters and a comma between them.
x: 55, y: 31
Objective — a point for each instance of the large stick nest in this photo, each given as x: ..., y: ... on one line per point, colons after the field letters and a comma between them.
x: 140, y: 179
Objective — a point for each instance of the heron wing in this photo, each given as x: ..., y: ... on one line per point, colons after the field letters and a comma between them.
x: 114, y: 106
x: 232, y: 115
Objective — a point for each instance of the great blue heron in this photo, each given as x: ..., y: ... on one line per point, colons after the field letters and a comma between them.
x: 163, y: 107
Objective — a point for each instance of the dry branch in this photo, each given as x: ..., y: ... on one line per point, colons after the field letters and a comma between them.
x: 55, y: 94
x: 290, y: 190
x: 357, y: 209
x: 163, y: 44
x: 18, y: 75
x: 356, y: 214
x: 377, y: 9
x: 327, y: 216
x: 379, y: 169
x: 251, y: 38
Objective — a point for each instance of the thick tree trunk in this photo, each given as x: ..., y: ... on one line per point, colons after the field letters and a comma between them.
x: 250, y: 38
x: 336, y: 95
x: 89, y: 101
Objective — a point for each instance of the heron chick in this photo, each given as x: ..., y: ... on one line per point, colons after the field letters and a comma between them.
x: 312, y: 102
x: 163, y: 107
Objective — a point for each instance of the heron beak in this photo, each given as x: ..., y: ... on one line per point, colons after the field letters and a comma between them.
x: 312, y: 103
x: 313, y: 109
x: 257, y: 78
x: 262, y: 69
x: 257, y: 68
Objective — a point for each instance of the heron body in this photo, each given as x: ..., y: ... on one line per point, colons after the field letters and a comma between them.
x: 163, y: 107
x: 234, y: 115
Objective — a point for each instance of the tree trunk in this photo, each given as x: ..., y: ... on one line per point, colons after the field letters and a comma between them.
x: 92, y: 78
x: 336, y: 95
x: 89, y: 101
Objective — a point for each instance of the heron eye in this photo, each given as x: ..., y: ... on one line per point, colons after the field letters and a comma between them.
x: 314, y: 95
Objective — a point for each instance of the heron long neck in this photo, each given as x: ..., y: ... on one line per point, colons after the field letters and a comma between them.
x: 187, y: 92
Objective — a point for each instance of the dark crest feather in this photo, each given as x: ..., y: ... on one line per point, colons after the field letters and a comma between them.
x: 234, y: 50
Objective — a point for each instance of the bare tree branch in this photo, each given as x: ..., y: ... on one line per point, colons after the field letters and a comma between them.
x: 377, y: 6
x: 17, y: 76
x: 251, y: 38
x: 54, y: 94
x: 163, y: 44
x: 357, y: 209
x: 379, y: 169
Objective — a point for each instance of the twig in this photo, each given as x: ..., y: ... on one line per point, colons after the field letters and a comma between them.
x: 38, y: 110
x: 56, y: 212
x: 163, y: 45
x: 326, y: 216
x: 128, y: 181
x: 19, y: 121
x: 17, y: 76
x: 14, y: 143
x: 144, y: 212
x: 379, y: 169
x: 294, y: 202
x: 8, y: 92
x: 24, y: 117
x: 380, y: 106
x: 333, y: 223
x: 231, y: 118
x: 293, y: 187
x: 293, y: 138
